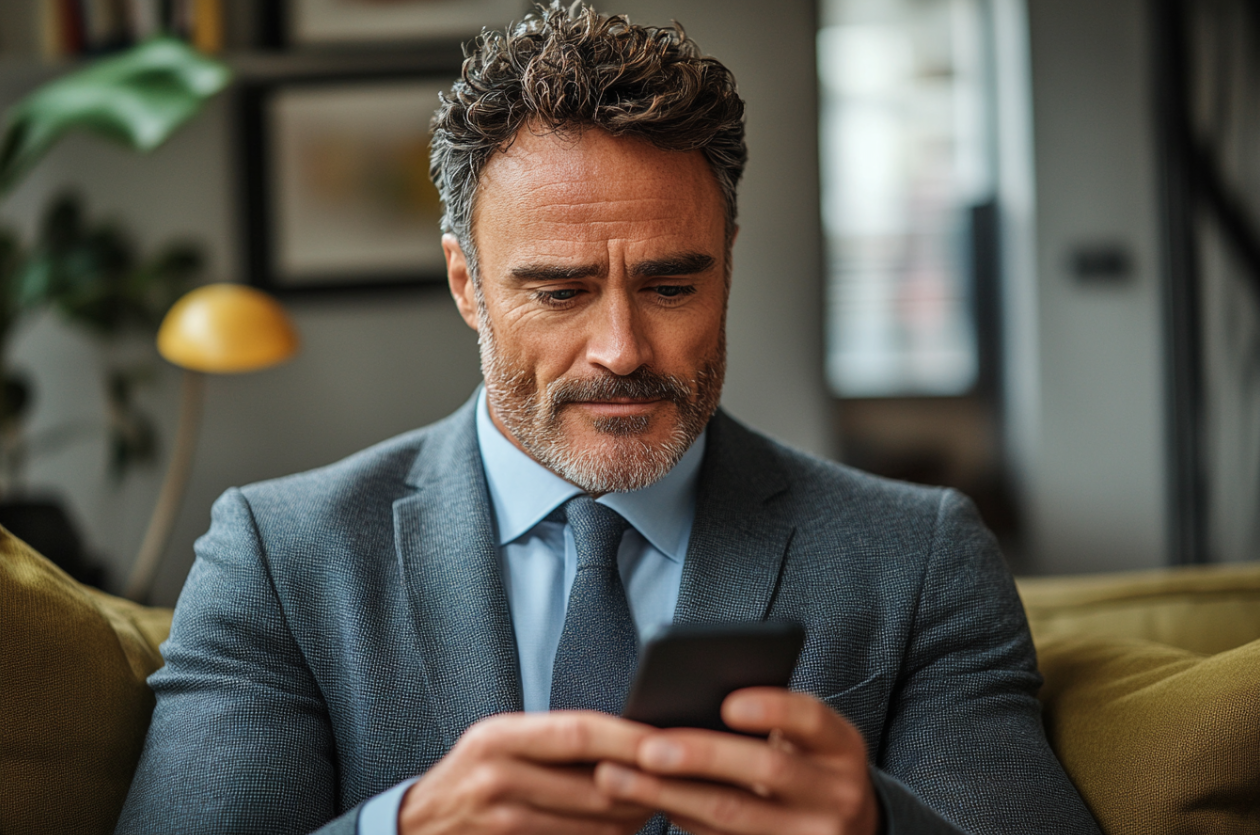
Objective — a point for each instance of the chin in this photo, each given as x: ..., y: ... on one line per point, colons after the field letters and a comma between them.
x: 617, y: 455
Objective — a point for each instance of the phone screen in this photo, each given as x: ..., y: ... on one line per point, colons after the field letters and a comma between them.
x: 686, y: 671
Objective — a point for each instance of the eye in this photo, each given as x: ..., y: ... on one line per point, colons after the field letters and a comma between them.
x: 556, y: 298
x: 674, y: 291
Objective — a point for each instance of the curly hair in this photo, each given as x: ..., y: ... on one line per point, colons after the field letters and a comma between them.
x: 559, y: 70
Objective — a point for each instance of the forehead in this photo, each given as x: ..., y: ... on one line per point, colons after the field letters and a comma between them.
x: 591, y: 186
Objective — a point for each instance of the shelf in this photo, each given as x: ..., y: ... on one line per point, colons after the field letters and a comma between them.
x: 437, y: 56
x: 18, y: 72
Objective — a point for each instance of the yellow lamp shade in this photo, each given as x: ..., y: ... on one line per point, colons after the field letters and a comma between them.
x: 226, y: 329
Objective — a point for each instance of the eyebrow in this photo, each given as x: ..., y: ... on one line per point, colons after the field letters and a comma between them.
x: 684, y: 263
x: 554, y: 272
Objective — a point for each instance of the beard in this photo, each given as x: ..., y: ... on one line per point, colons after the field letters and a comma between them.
x: 622, y: 458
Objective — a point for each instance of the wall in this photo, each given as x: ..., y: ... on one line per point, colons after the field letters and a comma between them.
x: 373, y: 367
x: 775, y: 323
x: 1096, y: 486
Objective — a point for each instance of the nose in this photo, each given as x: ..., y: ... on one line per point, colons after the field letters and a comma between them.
x: 617, y: 340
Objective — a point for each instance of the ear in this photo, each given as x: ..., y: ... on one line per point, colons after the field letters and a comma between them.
x: 460, y: 281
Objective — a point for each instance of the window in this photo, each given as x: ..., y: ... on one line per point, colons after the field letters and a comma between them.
x: 906, y: 149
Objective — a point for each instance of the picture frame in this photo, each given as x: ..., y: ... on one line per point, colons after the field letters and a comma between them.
x: 348, y: 22
x: 336, y: 194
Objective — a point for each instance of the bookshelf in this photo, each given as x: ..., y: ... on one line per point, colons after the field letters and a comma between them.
x: 60, y: 30
x: 251, y: 43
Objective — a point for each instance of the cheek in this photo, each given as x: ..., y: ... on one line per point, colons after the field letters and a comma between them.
x: 548, y: 352
x: 691, y: 342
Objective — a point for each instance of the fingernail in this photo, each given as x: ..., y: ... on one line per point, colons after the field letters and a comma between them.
x: 615, y: 778
x: 660, y: 753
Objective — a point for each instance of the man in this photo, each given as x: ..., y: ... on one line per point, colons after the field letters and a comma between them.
x: 355, y: 646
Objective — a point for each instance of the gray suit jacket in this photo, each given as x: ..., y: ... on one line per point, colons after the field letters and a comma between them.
x: 341, y: 628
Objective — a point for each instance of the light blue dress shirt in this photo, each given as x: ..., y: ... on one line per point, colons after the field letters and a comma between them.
x: 538, y: 559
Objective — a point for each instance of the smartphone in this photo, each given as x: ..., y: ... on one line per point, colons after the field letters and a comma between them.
x: 686, y: 671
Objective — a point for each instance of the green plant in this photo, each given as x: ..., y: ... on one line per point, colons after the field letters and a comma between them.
x: 91, y: 273
x: 139, y: 98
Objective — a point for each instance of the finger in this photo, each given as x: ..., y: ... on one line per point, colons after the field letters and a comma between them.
x: 753, y: 764
x: 695, y: 827
x: 805, y: 823
x: 568, y: 791
x: 530, y: 821
x: 706, y: 807
x: 568, y: 736
x: 776, y: 740
x: 799, y: 718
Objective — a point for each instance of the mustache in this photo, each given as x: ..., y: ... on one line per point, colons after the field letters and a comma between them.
x: 641, y: 384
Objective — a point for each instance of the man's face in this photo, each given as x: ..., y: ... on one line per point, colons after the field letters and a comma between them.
x: 601, y: 312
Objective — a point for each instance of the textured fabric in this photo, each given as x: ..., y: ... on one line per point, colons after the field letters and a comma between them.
x: 341, y: 628
x: 379, y: 815
x: 1205, y: 609
x: 595, y: 660
x: 1158, y: 739
x: 538, y: 561
x: 73, y: 699
x: 1156, y: 736
x: 538, y: 558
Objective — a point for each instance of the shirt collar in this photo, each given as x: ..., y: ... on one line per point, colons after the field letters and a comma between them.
x: 524, y: 492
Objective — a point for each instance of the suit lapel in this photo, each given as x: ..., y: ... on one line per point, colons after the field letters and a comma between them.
x: 444, y: 533
x: 738, y: 539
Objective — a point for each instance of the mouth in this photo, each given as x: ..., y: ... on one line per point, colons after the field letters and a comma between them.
x: 620, y: 406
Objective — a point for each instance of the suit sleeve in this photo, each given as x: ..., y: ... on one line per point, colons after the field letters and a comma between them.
x: 240, y: 740
x: 965, y: 741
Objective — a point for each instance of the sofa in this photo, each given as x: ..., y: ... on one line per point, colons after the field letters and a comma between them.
x: 1152, y: 695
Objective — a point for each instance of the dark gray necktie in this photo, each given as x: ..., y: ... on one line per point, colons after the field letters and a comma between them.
x: 598, y: 648
x: 596, y: 656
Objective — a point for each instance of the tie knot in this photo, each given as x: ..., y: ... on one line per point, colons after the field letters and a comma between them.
x: 597, y: 531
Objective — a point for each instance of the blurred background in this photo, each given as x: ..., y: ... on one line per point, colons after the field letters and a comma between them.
x: 1008, y: 246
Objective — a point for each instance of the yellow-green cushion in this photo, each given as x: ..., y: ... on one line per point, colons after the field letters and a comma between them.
x: 74, y: 706
x: 1157, y: 739
x: 1206, y: 609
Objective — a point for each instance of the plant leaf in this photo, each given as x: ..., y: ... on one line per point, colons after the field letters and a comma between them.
x: 138, y: 98
x: 12, y: 258
x: 14, y: 399
x: 132, y: 433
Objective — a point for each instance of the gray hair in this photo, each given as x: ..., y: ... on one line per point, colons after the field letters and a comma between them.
x: 561, y: 69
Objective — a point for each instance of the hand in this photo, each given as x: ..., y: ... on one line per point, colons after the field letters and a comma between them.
x: 527, y: 773
x: 810, y: 776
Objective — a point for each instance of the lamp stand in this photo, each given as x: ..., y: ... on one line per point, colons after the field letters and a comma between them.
x: 144, y: 570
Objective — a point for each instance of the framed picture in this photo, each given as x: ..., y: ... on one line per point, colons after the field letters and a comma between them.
x: 319, y: 22
x: 337, y: 193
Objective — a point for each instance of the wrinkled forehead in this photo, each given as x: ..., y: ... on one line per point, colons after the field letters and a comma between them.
x: 593, y: 165
x: 590, y: 185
